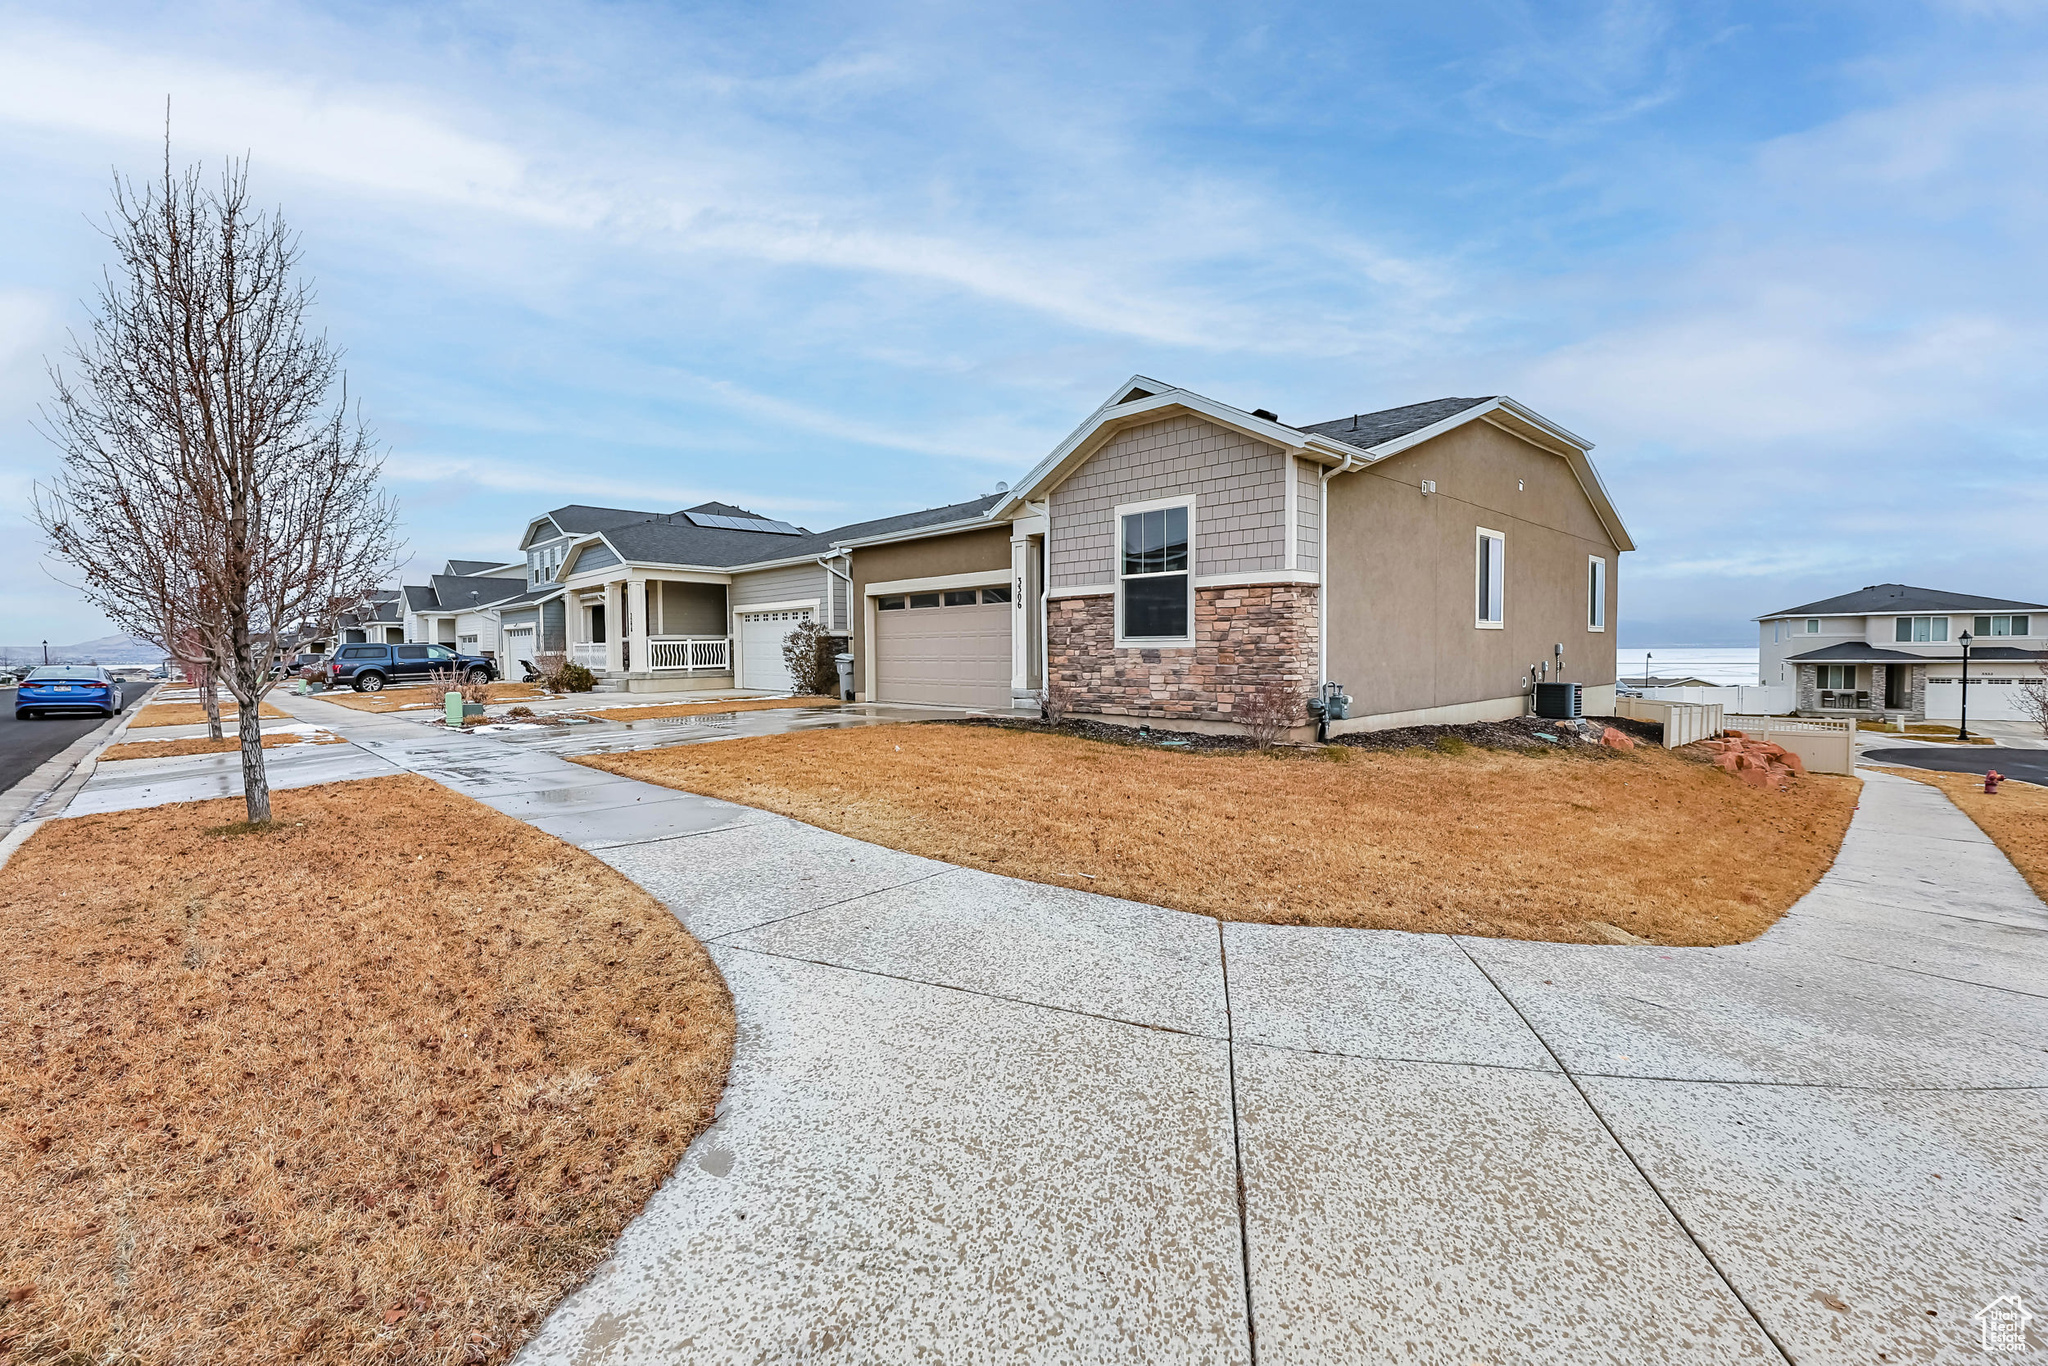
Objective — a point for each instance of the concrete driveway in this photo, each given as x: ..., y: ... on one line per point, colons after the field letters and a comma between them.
x: 975, y: 1120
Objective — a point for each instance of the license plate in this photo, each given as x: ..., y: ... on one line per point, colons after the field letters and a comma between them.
x: 62, y: 687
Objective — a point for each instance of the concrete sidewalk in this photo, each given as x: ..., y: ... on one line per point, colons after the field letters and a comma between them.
x: 973, y: 1119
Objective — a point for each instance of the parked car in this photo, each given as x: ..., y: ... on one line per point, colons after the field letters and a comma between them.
x: 308, y: 665
x: 67, y: 688
x: 368, y: 668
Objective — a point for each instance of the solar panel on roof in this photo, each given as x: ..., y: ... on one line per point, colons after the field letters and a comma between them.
x: 713, y: 519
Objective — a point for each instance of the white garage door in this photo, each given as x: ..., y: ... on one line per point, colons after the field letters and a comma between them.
x: 944, y: 649
x: 518, y: 647
x: 1994, y: 697
x: 761, y: 638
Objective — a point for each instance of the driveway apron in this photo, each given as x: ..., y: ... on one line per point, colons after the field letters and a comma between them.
x: 972, y: 1119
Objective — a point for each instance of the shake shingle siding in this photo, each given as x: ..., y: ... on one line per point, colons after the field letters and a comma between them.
x: 1240, y: 500
x: 1308, y: 515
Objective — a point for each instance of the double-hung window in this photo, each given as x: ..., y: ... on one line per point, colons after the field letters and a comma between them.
x: 1920, y: 629
x: 1154, y: 579
x: 1491, y: 584
x: 2002, y: 626
x: 1596, y: 593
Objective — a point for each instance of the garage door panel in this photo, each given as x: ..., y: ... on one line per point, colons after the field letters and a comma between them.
x: 944, y: 656
x: 761, y: 638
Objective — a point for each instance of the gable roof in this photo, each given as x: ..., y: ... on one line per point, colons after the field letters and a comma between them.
x: 1899, y: 599
x: 1347, y: 443
x: 474, y: 566
x: 451, y: 593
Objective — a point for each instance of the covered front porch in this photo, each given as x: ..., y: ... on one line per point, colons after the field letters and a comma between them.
x: 1862, y: 681
x: 649, y: 631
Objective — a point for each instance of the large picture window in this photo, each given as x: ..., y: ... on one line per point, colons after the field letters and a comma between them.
x: 1492, y: 579
x: 1154, y: 575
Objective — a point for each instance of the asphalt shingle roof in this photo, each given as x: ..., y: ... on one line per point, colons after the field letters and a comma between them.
x: 454, y: 590
x: 1370, y: 429
x: 474, y: 566
x: 1886, y: 598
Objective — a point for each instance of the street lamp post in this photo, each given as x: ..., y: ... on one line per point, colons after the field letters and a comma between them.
x: 1963, y: 725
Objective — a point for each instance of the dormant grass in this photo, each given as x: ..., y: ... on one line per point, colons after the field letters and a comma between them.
x: 1482, y: 842
x: 378, y: 1083
x: 194, y: 713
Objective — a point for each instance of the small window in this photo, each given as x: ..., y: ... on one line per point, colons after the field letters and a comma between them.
x: 1813, y: 626
x: 1596, y: 594
x: 960, y: 597
x: 888, y: 604
x: 410, y: 651
x: 1003, y: 594
x: 364, y: 654
x: 1491, y: 578
x: 924, y: 599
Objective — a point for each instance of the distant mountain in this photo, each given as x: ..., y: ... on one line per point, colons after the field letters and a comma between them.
x: 105, y: 650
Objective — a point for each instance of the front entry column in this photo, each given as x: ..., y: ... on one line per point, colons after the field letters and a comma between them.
x: 615, y: 624
x: 636, y: 623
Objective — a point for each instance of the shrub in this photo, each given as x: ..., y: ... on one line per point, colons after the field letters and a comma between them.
x: 808, y: 652
x: 557, y: 674
x: 1055, y: 700
x: 2033, y: 703
x: 1267, y: 712
x: 521, y: 712
x: 446, y: 681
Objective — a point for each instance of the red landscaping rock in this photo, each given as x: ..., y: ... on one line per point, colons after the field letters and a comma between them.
x: 1614, y: 739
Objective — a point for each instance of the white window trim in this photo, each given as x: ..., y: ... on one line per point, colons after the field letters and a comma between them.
x: 1479, y: 589
x: 1812, y: 626
x: 1597, y: 603
x: 1116, y: 552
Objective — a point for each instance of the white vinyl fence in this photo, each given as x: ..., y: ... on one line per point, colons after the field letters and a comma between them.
x: 1824, y: 746
x: 1684, y: 723
x: 1749, y: 699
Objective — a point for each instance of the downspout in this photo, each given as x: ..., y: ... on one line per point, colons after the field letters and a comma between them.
x: 825, y: 563
x: 1323, y: 587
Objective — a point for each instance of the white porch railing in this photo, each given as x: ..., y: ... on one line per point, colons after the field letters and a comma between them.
x: 690, y: 654
x: 588, y: 653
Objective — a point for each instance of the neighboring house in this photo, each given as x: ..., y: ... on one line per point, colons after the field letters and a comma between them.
x: 702, y: 598
x: 1656, y: 681
x: 1175, y: 551
x: 1892, y: 648
x: 455, y: 606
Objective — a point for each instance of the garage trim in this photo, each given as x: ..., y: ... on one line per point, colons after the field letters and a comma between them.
x: 980, y: 578
x: 748, y: 609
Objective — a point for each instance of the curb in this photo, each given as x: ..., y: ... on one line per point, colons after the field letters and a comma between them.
x: 77, y: 760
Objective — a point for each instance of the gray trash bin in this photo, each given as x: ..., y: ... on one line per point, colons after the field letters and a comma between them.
x: 845, y: 663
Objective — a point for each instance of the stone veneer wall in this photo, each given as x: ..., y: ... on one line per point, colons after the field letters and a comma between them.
x: 1244, y: 637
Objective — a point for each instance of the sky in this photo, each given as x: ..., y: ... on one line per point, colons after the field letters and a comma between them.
x: 1781, y: 263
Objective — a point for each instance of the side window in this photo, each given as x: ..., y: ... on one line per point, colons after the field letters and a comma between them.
x: 1813, y: 626
x: 409, y: 652
x: 1153, y: 575
x: 1596, y: 594
x: 1902, y: 628
x: 1491, y: 578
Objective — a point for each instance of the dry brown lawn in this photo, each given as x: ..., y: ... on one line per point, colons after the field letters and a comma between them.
x: 1486, y: 843
x: 199, y: 744
x: 392, y: 699
x: 700, y: 708
x: 194, y: 713
x: 2015, y: 817
x: 378, y: 1084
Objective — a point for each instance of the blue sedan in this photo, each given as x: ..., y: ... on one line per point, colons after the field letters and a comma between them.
x: 59, y: 688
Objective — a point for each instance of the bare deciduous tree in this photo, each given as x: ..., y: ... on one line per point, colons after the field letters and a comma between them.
x: 2032, y: 700
x: 215, y: 487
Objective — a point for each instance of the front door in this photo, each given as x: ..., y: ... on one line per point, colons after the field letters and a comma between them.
x: 1897, y: 690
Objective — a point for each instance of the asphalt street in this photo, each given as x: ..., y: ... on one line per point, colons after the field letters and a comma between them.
x: 25, y: 744
x: 2027, y: 765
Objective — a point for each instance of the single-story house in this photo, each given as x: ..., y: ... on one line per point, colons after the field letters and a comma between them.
x: 1893, y: 649
x: 1174, y: 551
x: 454, y: 607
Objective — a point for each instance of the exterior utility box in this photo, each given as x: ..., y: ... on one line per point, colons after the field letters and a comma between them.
x: 1561, y: 701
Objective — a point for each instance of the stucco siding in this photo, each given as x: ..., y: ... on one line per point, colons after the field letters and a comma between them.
x: 1402, y: 577
x: 964, y: 552
x: 1240, y: 500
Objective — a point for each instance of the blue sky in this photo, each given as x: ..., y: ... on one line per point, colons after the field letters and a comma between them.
x: 1781, y: 263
